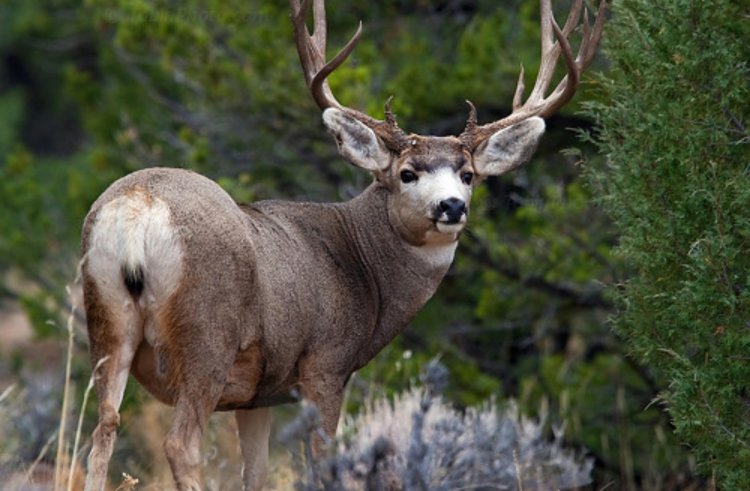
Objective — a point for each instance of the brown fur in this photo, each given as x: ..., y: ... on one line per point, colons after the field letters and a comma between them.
x: 244, y: 378
x: 103, y: 341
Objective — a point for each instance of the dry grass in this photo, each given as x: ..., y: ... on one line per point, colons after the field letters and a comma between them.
x: 64, y: 471
x: 418, y: 441
x: 143, y: 465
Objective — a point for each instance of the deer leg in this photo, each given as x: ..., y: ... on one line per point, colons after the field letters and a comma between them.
x: 254, y: 430
x: 199, y: 387
x: 326, y: 392
x: 113, y: 342
x: 182, y: 444
x: 330, y: 413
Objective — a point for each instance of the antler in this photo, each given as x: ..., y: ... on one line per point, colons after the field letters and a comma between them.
x: 312, y: 55
x: 554, y: 42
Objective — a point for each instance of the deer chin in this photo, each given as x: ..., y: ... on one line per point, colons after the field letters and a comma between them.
x: 450, y: 227
x: 447, y: 226
x: 444, y: 233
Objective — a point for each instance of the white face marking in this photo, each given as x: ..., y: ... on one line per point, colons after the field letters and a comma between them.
x: 424, y: 196
x: 433, y: 187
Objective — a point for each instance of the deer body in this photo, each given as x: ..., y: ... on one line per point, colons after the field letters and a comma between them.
x: 217, y: 306
x: 332, y: 281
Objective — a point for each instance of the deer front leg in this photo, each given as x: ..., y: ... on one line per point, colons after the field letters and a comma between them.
x: 254, y: 430
x: 330, y: 412
x: 325, y: 390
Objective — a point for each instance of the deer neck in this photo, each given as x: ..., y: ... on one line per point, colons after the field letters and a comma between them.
x: 381, y: 243
x: 403, y: 276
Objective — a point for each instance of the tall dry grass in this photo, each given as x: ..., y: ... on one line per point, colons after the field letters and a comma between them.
x: 61, y: 470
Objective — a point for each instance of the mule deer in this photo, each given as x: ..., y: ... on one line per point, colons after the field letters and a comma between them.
x: 215, y: 306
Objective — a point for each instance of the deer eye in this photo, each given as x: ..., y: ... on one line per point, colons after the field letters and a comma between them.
x: 467, y: 177
x: 408, y: 176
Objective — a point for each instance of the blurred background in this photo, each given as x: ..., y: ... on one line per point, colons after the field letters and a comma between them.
x: 92, y: 89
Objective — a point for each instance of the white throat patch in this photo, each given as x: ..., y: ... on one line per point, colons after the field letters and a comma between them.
x: 437, y: 256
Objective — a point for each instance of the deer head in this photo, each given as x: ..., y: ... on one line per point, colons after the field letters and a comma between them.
x: 431, y: 178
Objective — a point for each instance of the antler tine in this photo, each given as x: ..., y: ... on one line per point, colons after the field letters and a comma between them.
x: 520, y: 87
x: 569, y: 83
x: 312, y: 55
x: 312, y: 50
x: 471, y: 121
x: 567, y: 86
x: 321, y: 92
x: 303, y: 38
x: 471, y: 126
x: 573, y: 16
x: 554, y: 43
x: 595, y: 35
x: 586, y: 33
x: 550, y: 49
x: 390, y: 118
x: 545, y: 13
x: 547, y: 48
x: 320, y: 28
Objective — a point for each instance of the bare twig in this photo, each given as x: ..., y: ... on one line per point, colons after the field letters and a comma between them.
x: 59, y: 458
x: 80, y: 421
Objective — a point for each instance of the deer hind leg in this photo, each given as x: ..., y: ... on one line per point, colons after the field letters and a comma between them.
x: 254, y: 430
x: 114, y: 334
x: 182, y: 445
x: 199, y: 359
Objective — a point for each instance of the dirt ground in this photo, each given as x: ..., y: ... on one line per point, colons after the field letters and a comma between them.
x: 15, y: 329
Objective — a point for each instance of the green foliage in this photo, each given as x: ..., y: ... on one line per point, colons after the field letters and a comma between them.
x: 46, y: 183
x: 677, y: 186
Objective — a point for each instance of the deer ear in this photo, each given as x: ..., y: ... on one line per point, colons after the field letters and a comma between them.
x: 508, y: 148
x: 357, y: 143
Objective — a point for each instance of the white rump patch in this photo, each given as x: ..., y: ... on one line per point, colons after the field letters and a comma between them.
x: 134, y: 232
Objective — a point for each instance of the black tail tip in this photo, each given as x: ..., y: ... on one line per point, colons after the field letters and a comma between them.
x: 133, y: 278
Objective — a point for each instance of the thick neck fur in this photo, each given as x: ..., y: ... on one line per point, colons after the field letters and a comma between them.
x: 369, y: 224
x: 360, y: 256
x: 370, y: 278
x: 405, y: 276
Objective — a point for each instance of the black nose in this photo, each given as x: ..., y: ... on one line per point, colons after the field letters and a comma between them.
x: 453, y: 208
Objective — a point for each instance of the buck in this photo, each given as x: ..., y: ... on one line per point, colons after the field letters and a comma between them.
x: 215, y: 306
